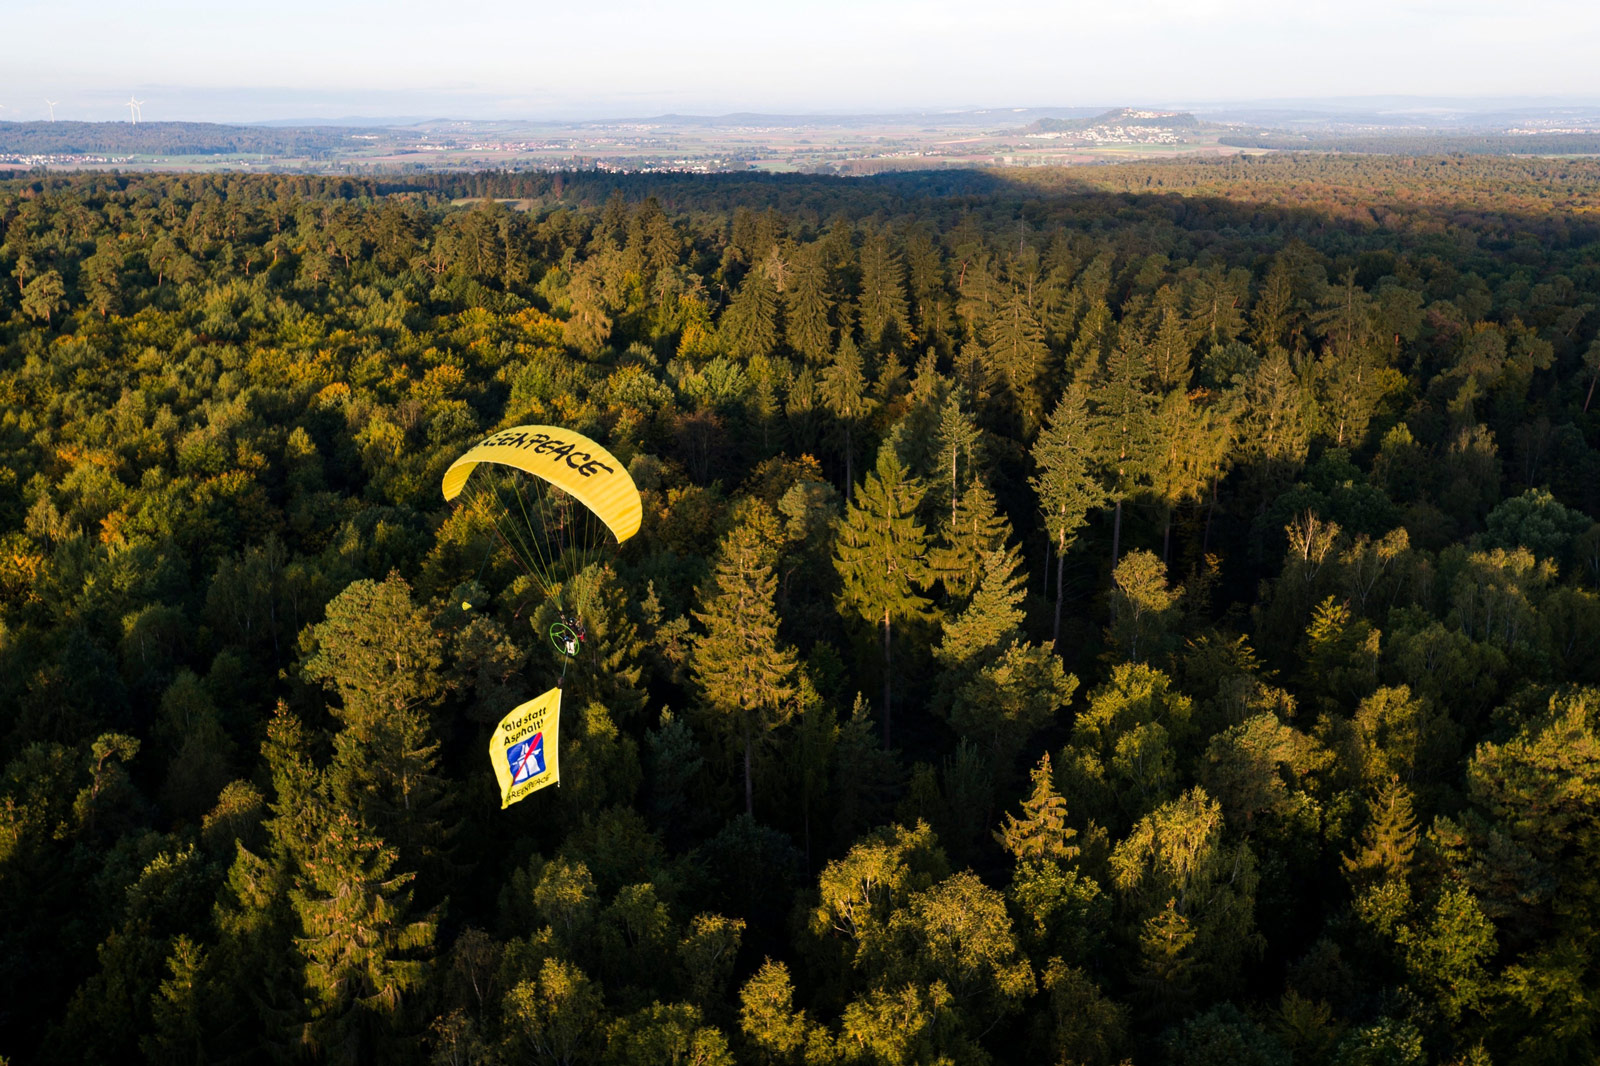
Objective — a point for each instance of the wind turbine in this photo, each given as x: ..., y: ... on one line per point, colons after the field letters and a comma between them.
x: 51, y: 104
x: 133, y: 109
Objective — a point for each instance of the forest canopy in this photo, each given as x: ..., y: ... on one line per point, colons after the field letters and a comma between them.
x: 1127, y: 614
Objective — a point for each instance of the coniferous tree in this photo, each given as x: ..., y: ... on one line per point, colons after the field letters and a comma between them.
x: 101, y: 281
x: 1017, y: 354
x: 806, y: 308
x: 883, y: 292
x: 1066, y: 483
x: 1170, y: 349
x: 958, y: 450
x: 881, y: 557
x: 992, y: 620
x: 1042, y: 833
x: 1000, y: 689
x: 1216, y: 303
x: 916, y: 434
x: 744, y: 672
x: 254, y: 967
x: 380, y: 653
x: 929, y: 302
x: 842, y: 386
x: 1186, y: 442
x: 1091, y: 345
x: 365, y: 950
x: 1124, y: 433
x: 377, y: 650
x: 976, y: 528
x: 43, y: 296
x: 750, y: 325
x: 1390, y: 838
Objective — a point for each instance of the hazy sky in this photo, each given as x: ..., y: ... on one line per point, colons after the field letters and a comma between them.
x: 204, y: 59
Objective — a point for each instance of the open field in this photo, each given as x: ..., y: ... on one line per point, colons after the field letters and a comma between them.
x: 778, y: 144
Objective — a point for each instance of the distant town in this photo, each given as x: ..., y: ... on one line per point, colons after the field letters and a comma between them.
x: 817, y: 144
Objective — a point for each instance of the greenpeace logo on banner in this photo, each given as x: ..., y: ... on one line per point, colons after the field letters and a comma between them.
x: 526, y: 760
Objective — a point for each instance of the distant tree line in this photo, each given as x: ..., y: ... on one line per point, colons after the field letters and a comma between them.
x: 180, y: 138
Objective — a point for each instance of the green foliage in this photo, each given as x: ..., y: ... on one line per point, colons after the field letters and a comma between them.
x: 1042, y: 833
x: 1331, y: 793
x: 365, y: 951
x: 743, y: 672
x: 880, y: 557
x: 1198, y: 892
x: 881, y: 548
x: 1141, y: 608
x: 554, y: 1017
x: 377, y: 651
x: 1537, y: 521
x: 1123, y: 757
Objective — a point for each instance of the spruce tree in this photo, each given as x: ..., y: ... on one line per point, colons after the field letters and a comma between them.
x: 1187, y: 440
x: 1066, y: 483
x: 255, y: 967
x: 806, y: 305
x: 1124, y: 432
x: 750, y: 326
x: 1042, y: 833
x: 364, y: 950
x: 377, y: 650
x: 998, y: 688
x: 1389, y: 840
x: 1170, y: 349
x: 883, y: 290
x: 958, y: 445
x: 843, y: 388
x: 744, y: 672
x: 881, y: 557
x: 976, y: 529
x: 1090, y: 346
x: 917, y: 431
x: 380, y: 653
x: 1018, y: 354
x: 992, y: 621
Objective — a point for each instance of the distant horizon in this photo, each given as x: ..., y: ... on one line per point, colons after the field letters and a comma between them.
x: 495, y: 110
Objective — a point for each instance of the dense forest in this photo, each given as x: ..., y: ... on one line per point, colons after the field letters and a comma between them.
x: 1135, y: 614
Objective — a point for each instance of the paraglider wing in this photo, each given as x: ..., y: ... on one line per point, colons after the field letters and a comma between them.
x: 568, y: 460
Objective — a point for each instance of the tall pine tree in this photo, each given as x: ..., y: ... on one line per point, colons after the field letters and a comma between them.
x: 881, y: 557
x: 1066, y: 483
x: 843, y: 388
x: 745, y: 673
x: 364, y: 949
x: 976, y: 529
x: 1124, y: 431
x: 806, y: 304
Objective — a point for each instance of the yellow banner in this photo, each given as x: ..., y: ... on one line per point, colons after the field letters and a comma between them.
x: 524, y: 748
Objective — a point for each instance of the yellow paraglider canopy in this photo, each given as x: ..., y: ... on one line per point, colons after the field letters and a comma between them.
x: 570, y: 461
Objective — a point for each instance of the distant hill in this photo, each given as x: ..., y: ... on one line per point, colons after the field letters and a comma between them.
x: 1126, y: 117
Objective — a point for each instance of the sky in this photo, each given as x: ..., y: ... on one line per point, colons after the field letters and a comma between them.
x: 201, y: 60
